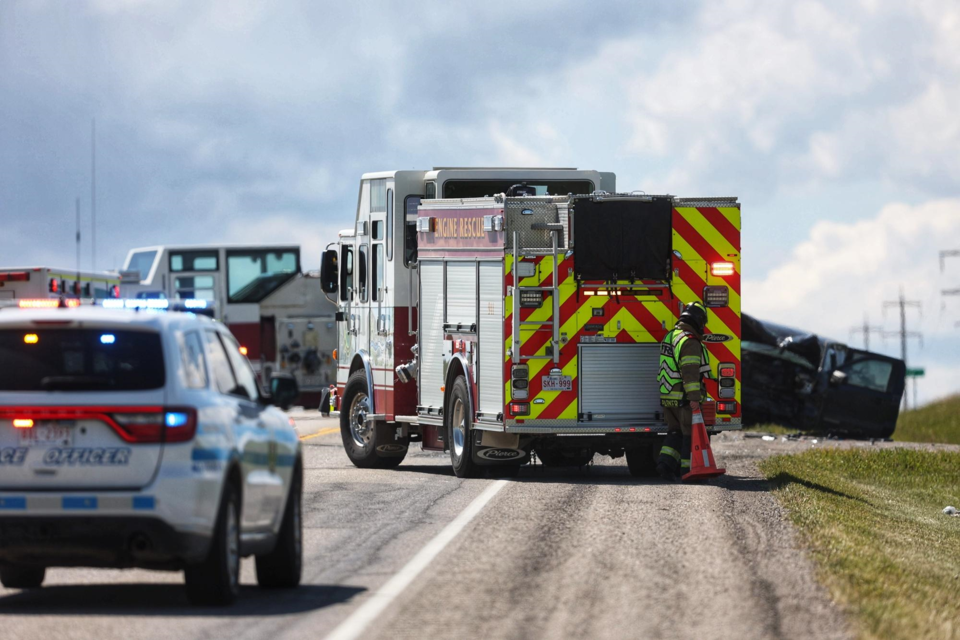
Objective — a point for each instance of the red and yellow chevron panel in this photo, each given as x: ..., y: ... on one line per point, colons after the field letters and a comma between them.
x: 701, y: 236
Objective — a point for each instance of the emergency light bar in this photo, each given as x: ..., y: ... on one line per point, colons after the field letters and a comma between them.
x: 46, y: 303
x: 155, y: 304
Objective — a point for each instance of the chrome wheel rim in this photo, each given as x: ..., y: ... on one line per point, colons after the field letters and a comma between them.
x: 459, y: 428
x: 233, y: 545
x: 360, y: 430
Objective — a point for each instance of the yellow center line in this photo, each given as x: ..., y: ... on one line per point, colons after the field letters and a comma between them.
x: 322, y: 432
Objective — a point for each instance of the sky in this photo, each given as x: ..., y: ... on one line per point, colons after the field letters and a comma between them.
x: 835, y: 123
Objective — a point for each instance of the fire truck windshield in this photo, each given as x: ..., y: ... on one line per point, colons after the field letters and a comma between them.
x: 254, y: 274
x: 482, y: 188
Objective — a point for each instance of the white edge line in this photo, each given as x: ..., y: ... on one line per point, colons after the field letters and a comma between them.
x: 366, y: 613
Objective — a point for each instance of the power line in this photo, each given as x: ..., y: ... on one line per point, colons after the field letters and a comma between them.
x: 902, y: 304
x: 866, y: 330
x: 952, y: 253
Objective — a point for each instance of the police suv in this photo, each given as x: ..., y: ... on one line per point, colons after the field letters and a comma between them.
x: 143, y: 439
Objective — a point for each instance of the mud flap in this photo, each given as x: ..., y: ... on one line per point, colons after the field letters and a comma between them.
x: 392, y: 440
x: 492, y: 448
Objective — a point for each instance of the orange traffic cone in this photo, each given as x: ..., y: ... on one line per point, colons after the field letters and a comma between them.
x: 702, y: 463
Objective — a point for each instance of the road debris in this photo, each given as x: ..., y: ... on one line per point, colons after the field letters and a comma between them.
x: 768, y: 438
x: 951, y: 511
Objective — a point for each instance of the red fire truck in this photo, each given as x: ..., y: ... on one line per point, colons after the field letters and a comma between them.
x: 482, y: 315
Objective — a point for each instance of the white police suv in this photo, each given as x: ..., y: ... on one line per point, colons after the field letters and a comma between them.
x: 143, y: 439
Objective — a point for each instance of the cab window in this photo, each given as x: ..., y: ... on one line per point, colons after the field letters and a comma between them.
x: 252, y: 275
x: 194, y: 287
x: 193, y: 261
x: 378, y: 195
x: 346, y: 272
x: 362, y: 273
x: 377, y: 271
x: 870, y: 374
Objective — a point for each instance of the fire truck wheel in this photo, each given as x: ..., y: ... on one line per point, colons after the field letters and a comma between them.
x: 642, y: 461
x: 459, y: 430
x: 360, y: 437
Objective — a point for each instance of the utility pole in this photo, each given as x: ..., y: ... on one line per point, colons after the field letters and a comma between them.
x: 903, y: 303
x: 78, y: 239
x: 866, y: 329
x: 93, y: 195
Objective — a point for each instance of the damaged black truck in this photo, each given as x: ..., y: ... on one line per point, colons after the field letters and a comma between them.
x: 812, y: 384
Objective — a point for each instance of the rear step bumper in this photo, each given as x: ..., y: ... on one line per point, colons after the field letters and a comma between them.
x: 115, y: 542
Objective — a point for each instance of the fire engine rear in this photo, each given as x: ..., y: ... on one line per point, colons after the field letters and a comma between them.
x: 533, y: 323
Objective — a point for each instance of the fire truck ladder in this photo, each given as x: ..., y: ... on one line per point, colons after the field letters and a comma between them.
x: 554, y: 228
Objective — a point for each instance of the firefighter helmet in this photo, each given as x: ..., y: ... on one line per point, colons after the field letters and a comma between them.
x: 695, y: 314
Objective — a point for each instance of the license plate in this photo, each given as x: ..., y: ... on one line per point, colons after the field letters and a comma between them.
x: 48, y: 433
x: 557, y: 383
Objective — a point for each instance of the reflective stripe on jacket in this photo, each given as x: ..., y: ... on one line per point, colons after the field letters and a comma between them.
x: 676, y: 356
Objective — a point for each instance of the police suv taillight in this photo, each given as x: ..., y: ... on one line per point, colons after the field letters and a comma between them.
x: 173, y: 424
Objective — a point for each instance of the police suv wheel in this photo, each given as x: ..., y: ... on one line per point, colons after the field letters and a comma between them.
x: 282, y: 567
x: 368, y: 444
x: 216, y: 580
x: 459, y: 430
x: 16, y: 577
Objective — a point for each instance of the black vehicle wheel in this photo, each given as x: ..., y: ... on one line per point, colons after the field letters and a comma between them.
x: 460, y: 429
x: 557, y: 458
x: 17, y: 577
x: 642, y: 461
x: 368, y: 445
x: 324, y: 407
x: 216, y: 580
x: 282, y: 567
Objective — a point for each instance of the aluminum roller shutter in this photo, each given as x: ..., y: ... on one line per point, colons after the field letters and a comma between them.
x: 620, y: 379
x: 490, y: 375
x: 430, y: 376
x: 462, y: 292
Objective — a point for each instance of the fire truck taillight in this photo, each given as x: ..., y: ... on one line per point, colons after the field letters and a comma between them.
x: 15, y: 276
x: 520, y: 408
x: 727, y: 382
x: 716, y: 296
x: 54, y: 285
x: 243, y: 350
x: 721, y: 268
x: 520, y: 382
x: 531, y: 299
x: 726, y: 407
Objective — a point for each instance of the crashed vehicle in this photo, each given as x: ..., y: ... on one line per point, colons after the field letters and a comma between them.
x: 810, y: 383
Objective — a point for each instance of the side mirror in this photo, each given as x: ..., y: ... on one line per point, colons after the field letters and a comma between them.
x: 837, y: 378
x: 283, y: 390
x: 329, y: 273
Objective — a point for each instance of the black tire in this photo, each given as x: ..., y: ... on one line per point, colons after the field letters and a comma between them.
x: 282, y: 567
x: 17, y: 577
x: 324, y: 407
x: 459, y: 430
x: 367, y: 448
x: 556, y: 458
x: 216, y: 580
x: 642, y: 461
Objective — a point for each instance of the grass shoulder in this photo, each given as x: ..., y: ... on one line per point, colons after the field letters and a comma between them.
x: 936, y: 422
x: 873, y: 522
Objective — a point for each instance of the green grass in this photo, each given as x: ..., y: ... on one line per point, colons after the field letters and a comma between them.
x: 873, y: 522
x: 935, y: 422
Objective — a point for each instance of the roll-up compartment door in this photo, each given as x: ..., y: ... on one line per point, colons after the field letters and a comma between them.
x: 462, y: 293
x: 618, y: 382
x: 431, y: 333
x: 490, y: 375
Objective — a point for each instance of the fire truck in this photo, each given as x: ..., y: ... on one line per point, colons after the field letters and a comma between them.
x: 497, y: 314
x: 40, y: 286
x: 277, y: 313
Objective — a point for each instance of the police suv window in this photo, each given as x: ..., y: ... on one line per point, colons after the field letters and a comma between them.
x: 219, y: 364
x: 246, y: 378
x: 191, y: 355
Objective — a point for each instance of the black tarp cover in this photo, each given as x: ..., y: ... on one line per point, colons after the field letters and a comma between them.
x: 622, y: 239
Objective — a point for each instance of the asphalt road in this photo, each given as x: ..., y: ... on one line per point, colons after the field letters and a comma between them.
x: 416, y: 552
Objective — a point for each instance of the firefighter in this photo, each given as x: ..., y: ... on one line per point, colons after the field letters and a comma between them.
x: 684, y: 362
